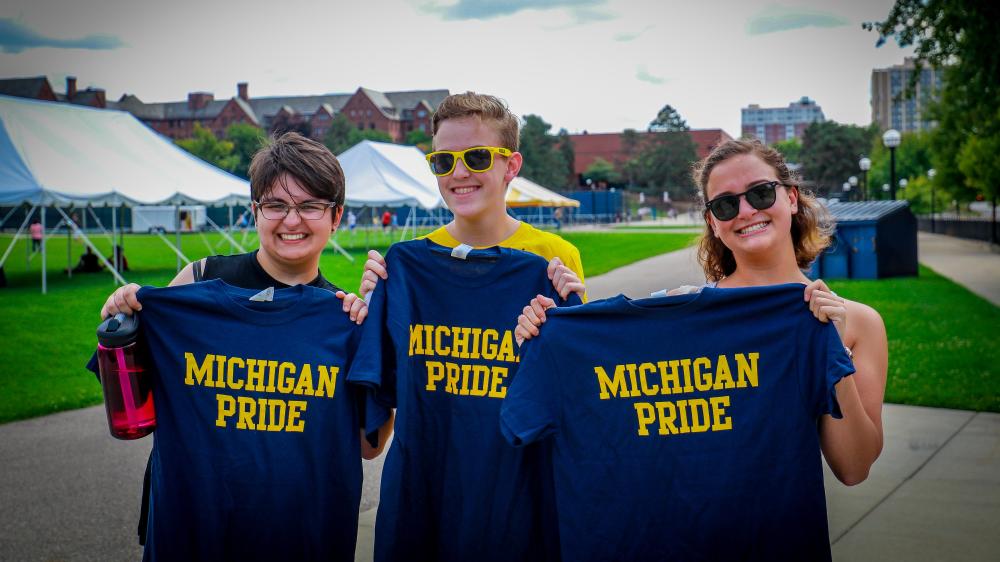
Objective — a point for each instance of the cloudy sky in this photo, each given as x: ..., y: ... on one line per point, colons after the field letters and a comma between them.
x: 596, y: 65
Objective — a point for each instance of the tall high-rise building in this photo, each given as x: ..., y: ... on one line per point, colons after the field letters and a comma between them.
x: 773, y: 124
x: 889, y: 109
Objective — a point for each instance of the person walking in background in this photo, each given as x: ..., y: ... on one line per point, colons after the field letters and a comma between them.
x: 36, y: 235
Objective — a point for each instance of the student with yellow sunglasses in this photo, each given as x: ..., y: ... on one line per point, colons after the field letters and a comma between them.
x: 475, y: 157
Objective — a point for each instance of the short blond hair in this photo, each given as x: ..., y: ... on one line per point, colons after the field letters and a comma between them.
x: 491, y: 109
x: 812, y: 225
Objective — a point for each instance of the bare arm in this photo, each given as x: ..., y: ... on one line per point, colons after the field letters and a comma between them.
x: 367, y: 451
x: 853, y: 443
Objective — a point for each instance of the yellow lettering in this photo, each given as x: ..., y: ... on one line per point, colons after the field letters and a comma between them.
x: 248, y: 408
x: 700, y: 419
x: 231, y: 364
x: 451, y: 386
x: 255, y: 374
x: 435, y: 373
x: 460, y: 343
x: 496, y: 388
x: 277, y: 413
x: 416, y: 341
x: 645, y: 369
x: 285, y: 383
x: 747, y: 369
x: 667, y: 426
x: 644, y: 415
x: 295, y: 422
x: 201, y: 374
x: 480, y: 380
x: 438, y: 348
x: 681, y: 407
x: 304, y: 386
x: 327, y: 381
x: 490, y: 338
x: 506, y: 352
x: 612, y: 387
x: 719, y: 405
x: 723, y: 375
x: 227, y: 407
x: 702, y: 378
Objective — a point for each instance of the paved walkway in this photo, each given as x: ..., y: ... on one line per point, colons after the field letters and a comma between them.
x: 68, y: 491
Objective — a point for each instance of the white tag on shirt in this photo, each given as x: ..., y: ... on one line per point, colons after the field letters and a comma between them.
x: 267, y: 295
x: 461, y: 251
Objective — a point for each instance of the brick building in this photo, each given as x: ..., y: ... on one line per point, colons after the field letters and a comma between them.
x: 39, y: 88
x: 588, y: 147
x: 773, y: 124
x: 396, y: 113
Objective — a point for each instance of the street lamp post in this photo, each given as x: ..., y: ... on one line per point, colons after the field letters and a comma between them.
x: 846, y: 188
x: 891, y: 140
x: 853, y: 182
x: 865, y: 164
x: 885, y: 189
x: 902, y: 185
x: 930, y: 175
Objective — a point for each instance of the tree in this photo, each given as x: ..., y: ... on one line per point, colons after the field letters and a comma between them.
x: 543, y: 162
x: 791, y: 149
x: 600, y: 170
x: 419, y: 139
x: 913, y: 159
x: 667, y: 120
x: 565, y: 147
x: 630, y: 146
x: 246, y: 140
x: 204, y: 145
x: 376, y: 135
x: 285, y: 123
x: 958, y: 36
x: 338, y: 136
x: 830, y: 153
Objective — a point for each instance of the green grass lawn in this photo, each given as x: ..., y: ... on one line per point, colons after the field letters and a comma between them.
x: 943, y: 347
x: 48, y: 338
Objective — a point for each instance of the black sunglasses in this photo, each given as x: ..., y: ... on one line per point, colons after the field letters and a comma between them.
x: 760, y: 197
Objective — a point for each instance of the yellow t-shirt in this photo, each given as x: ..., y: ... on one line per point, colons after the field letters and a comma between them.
x: 528, y: 239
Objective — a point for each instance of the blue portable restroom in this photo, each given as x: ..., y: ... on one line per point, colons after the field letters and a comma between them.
x: 873, y: 240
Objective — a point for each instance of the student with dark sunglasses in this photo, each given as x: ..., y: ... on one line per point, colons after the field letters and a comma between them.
x: 762, y: 229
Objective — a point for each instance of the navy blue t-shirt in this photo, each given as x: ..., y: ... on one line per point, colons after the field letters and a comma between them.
x: 684, y: 428
x: 256, y: 452
x: 439, y: 346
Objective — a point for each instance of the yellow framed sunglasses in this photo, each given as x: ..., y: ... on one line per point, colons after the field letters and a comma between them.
x: 476, y: 159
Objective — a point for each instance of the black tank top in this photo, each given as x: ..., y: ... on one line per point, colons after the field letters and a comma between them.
x: 243, y: 270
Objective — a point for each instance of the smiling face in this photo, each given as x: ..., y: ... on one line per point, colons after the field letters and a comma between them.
x: 292, y: 243
x: 752, y: 231
x: 472, y: 195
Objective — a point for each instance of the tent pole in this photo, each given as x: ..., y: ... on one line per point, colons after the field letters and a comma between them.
x: 90, y: 244
x: 114, y: 229
x: 121, y: 238
x: 232, y: 247
x: 17, y: 235
x: 11, y: 212
x: 225, y: 235
x: 45, y: 288
x: 177, y: 235
x: 177, y: 251
x: 100, y: 224
x: 69, y: 249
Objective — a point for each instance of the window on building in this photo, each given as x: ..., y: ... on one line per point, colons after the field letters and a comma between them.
x: 422, y: 113
x: 422, y: 127
x: 371, y: 125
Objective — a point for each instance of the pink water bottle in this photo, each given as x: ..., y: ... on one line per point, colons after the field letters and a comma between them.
x: 128, y: 387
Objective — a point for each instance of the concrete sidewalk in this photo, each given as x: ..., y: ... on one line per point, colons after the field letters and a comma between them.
x: 68, y: 491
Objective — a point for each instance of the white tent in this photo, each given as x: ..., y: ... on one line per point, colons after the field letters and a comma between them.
x: 389, y: 175
x: 57, y: 154
x: 522, y: 192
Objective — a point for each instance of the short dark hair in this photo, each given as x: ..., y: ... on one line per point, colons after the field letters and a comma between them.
x: 309, y: 162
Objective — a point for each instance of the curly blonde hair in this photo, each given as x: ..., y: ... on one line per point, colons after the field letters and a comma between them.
x: 812, y: 225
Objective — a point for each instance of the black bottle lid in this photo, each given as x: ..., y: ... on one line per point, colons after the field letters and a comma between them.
x: 119, y: 330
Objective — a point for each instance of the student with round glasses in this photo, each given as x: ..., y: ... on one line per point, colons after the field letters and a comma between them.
x: 762, y: 229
